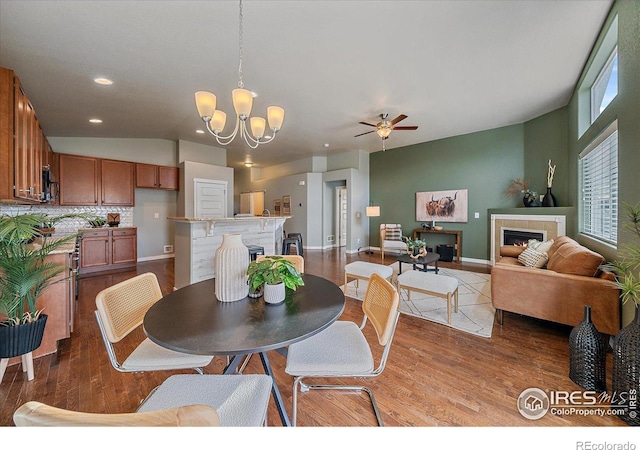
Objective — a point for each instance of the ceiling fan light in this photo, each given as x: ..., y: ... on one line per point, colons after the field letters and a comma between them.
x: 258, y: 124
x: 206, y: 104
x: 275, y: 115
x: 242, y: 102
x: 218, y: 121
x: 384, y: 132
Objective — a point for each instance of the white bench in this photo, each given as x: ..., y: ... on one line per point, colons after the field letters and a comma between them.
x: 431, y: 284
x: 362, y: 270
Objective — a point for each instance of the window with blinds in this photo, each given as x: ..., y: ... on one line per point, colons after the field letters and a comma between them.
x: 599, y: 186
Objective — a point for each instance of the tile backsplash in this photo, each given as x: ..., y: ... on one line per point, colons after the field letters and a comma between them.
x: 71, y: 225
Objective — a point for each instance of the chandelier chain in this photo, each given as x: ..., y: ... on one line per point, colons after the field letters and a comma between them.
x: 240, y: 82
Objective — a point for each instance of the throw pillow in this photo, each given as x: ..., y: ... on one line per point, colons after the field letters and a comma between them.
x: 533, y: 258
x: 393, y: 234
x: 542, y: 247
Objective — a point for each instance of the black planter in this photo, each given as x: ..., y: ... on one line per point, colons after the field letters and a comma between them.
x: 21, y: 339
x: 549, y: 199
x: 587, y: 355
x: 625, y: 378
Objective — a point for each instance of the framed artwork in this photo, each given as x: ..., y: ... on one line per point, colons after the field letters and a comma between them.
x: 442, y: 206
x: 276, y: 207
x: 286, y: 205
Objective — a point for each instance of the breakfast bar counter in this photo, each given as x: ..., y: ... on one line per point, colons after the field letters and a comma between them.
x: 197, y: 239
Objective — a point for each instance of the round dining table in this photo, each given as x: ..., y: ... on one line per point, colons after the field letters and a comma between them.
x: 192, y: 320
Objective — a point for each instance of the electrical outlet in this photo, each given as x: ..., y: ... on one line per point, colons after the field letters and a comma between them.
x: 477, y: 215
x: 331, y: 238
x: 358, y: 240
x: 156, y: 216
x: 168, y: 248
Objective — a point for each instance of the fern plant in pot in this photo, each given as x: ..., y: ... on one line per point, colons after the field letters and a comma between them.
x: 24, y: 275
x: 274, y: 274
x: 625, y: 378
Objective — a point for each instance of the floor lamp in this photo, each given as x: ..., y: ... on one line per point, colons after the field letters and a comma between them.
x: 372, y: 211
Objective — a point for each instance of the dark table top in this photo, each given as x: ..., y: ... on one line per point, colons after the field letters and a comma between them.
x: 429, y: 258
x: 192, y: 320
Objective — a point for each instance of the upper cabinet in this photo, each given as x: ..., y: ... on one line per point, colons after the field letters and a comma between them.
x: 24, y: 149
x: 157, y: 177
x: 88, y: 181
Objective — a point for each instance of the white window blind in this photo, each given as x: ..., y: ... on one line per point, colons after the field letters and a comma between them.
x: 599, y: 186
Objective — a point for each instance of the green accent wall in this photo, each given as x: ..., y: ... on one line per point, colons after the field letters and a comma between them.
x: 482, y: 162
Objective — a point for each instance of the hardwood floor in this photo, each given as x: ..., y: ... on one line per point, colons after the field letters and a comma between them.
x: 435, y: 375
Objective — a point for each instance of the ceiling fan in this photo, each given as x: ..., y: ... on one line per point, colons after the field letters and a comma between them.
x: 384, y: 127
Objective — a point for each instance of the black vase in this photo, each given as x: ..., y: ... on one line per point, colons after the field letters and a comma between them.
x: 587, y: 355
x: 625, y: 377
x: 549, y: 199
x: 21, y: 339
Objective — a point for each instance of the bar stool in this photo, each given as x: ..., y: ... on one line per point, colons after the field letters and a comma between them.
x: 299, y: 237
x: 286, y: 246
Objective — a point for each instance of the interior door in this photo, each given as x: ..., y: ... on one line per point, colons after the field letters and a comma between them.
x: 210, y: 198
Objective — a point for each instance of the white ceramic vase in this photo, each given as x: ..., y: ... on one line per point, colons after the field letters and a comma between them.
x: 231, y: 263
x: 274, y: 293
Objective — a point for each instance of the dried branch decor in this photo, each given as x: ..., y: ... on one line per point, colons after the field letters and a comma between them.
x: 550, y: 172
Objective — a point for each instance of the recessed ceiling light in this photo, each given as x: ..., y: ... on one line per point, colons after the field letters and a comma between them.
x: 254, y: 94
x: 266, y: 136
x: 326, y: 145
x: 200, y: 131
x: 103, y: 81
x: 95, y: 120
x: 248, y: 163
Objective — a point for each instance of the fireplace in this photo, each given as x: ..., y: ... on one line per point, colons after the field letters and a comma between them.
x: 519, y: 236
x: 545, y: 226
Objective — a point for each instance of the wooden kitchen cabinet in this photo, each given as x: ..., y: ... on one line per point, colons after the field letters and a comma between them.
x: 157, y: 177
x: 107, y: 249
x: 23, y: 145
x: 89, y: 181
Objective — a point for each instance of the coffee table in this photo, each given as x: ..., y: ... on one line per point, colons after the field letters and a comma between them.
x: 429, y: 258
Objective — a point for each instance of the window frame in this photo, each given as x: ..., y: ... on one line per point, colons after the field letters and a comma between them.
x: 595, y: 109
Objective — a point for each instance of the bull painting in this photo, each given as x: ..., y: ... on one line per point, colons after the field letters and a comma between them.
x: 442, y: 206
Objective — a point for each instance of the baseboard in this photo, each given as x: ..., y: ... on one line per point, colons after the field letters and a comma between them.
x: 153, y: 258
x: 476, y: 261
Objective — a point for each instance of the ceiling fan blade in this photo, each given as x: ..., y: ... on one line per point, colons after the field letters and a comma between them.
x: 372, y: 131
x: 397, y: 119
x: 370, y: 124
x: 406, y: 128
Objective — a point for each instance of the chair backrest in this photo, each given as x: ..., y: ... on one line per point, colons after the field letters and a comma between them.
x: 297, y: 260
x: 380, y: 304
x: 122, y: 306
x: 36, y: 414
x: 390, y: 232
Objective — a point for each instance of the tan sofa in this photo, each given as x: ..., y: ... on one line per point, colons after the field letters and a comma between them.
x: 558, y: 293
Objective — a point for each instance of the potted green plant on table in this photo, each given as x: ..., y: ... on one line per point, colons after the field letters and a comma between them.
x: 415, y: 247
x: 273, y: 274
x: 625, y: 377
x: 24, y: 275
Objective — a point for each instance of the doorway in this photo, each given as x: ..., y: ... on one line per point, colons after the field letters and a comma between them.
x: 341, y: 216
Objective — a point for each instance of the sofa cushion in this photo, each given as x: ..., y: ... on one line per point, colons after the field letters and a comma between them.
x: 533, y: 258
x: 567, y: 256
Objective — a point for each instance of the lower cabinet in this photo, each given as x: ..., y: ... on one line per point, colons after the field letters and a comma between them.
x: 107, y: 249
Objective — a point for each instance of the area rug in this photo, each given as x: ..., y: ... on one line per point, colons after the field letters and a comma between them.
x: 475, y: 313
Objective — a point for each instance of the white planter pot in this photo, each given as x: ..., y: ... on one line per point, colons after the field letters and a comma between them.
x: 274, y: 293
x: 231, y: 262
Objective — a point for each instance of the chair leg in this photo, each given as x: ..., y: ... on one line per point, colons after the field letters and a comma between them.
x: 307, y: 387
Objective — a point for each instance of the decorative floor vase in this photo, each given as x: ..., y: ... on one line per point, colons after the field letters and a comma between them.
x: 625, y: 377
x: 587, y: 355
x: 549, y: 200
x: 231, y: 262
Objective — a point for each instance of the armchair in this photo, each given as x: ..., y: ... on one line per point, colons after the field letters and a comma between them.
x: 391, y: 238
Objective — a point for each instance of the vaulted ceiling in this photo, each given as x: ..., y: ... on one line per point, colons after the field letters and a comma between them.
x: 453, y: 67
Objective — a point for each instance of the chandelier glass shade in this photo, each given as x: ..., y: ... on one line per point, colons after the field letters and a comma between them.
x: 215, y: 120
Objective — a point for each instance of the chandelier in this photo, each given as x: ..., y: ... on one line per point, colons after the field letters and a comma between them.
x: 215, y: 119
